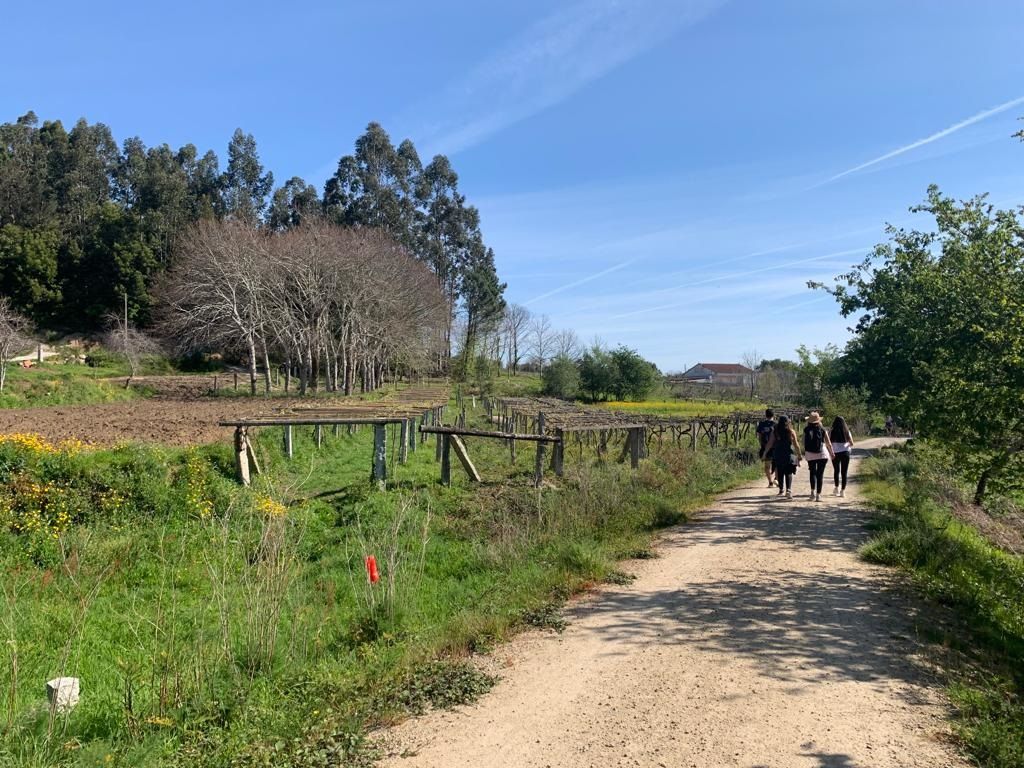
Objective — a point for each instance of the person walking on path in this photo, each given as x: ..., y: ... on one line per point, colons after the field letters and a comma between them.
x: 817, y: 450
x: 784, y: 448
x: 842, y: 444
x: 765, y: 428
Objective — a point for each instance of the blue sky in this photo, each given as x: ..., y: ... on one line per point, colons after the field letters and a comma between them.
x: 665, y: 174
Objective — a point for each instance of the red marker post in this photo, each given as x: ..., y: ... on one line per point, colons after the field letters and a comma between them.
x: 371, y: 569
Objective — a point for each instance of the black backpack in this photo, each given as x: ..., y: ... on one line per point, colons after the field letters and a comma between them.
x: 814, y: 438
x: 764, y: 431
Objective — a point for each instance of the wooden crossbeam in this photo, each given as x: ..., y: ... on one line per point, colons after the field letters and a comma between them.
x: 484, y: 433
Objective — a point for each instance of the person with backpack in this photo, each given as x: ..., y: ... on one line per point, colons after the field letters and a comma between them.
x: 818, y: 450
x: 842, y: 444
x: 765, y: 427
x: 784, y: 449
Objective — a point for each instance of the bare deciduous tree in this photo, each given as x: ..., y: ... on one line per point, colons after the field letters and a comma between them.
x: 126, y: 340
x: 15, y: 336
x: 541, y: 336
x: 346, y: 304
x: 517, y: 318
x: 566, y: 343
x: 752, y: 360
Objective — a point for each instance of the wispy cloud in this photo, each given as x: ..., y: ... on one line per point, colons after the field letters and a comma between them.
x: 581, y: 281
x: 551, y: 60
x: 929, y: 139
x: 734, y: 276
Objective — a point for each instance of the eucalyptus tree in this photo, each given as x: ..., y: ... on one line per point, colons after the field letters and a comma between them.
x: 246, y: 185
x: 293, y: 203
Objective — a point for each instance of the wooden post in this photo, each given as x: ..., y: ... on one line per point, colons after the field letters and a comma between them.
x: 412, y: 434
x: 236, y: 382
x: 446, y: 460
x: 214, y: 383
x: 379, y: 471
x: 538, y: 468
x: 288, y: 450
x: 318, y: 435
x: 241, y: 456
x: 403, y: 442
x: 642, y: 434
x: 558, y: 453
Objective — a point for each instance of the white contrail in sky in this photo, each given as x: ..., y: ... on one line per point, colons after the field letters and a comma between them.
x: 735, y: 276
x: 561, y: 53
x: 581, y: 281
x: 929, y: 139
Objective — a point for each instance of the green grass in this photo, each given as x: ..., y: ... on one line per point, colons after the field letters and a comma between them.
x: 63, y: 384
x: 213, y: 625
x: 982, y: 585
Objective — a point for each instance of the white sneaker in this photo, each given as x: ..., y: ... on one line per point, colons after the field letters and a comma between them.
x: 817, y: 497
x: 842, y: 492
x: 835, y: 491
x: 812, y: 495
x: 789, y: 494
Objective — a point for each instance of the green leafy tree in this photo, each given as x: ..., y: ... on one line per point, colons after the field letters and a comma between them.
x: 245, y: 184
x: 633, y: 377
x: 28, y: 269
x: 941, y: 332
x: 562, y: 378
x: 292, y: 204
x: 481, y: 295
x: 374, y: 187
x: 25, y: 196
x: 597, y: 373
x: 815, y: 372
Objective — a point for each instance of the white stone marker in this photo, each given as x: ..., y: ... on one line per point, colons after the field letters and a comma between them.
x: 62, y: 693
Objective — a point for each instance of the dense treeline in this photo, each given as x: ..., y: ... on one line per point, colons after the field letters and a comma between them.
x: 84, y: 222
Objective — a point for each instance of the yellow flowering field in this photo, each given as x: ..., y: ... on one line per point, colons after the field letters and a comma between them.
x: 684, y: 408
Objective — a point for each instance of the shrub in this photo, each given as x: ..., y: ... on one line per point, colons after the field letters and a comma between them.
x: 561, y: 378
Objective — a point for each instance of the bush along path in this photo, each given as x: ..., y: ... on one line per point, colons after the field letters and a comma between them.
x: 757, y: 637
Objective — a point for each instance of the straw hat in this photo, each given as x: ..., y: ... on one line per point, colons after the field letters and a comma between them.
x: 814, y: 418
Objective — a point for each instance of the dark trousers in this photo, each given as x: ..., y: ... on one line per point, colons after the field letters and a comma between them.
x: 784, y: 476
x: 817, y: 467
x: 841, y: 466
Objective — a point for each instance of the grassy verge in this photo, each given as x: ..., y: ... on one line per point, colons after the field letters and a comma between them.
x: 981, y: 585
x: 212, y: 625
x: 64, y: 384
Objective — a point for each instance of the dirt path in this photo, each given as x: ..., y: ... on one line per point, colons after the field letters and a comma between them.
x: 757, y: 639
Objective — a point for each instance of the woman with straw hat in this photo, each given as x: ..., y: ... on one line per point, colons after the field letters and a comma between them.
x: 817, y: 450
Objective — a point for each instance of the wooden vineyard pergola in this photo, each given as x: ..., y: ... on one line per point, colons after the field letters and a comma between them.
x: 570, y: 422
x: 406, y: 408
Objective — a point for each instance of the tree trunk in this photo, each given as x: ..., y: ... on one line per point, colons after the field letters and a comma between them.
x: 266, y: 368
x: 252, y: 367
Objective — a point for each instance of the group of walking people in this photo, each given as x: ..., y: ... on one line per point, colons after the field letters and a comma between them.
x: 782, y: 452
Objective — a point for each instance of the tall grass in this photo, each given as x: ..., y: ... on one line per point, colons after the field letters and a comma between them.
x: 955, y: 566
x: 212, y: 625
